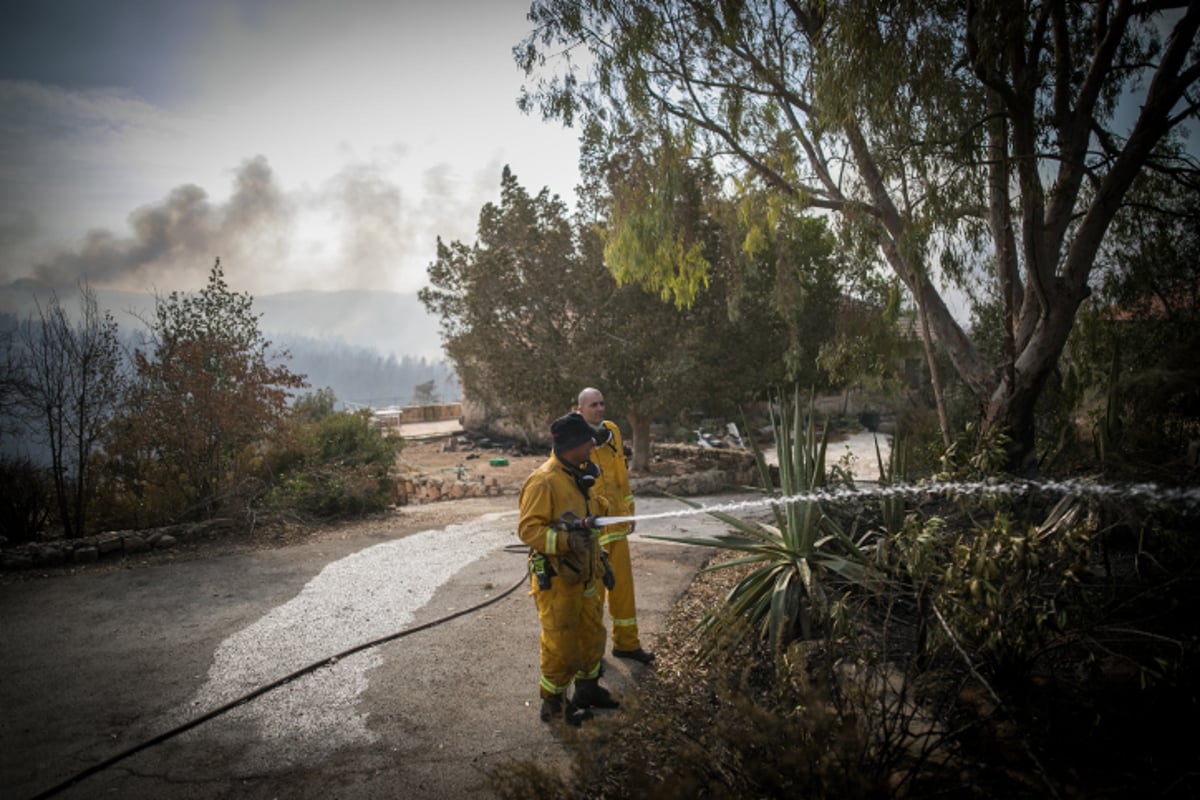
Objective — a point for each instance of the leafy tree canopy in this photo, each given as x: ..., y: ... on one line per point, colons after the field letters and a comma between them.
x: 531, y: 315
x: 207, y: 397
x: 960, y: 140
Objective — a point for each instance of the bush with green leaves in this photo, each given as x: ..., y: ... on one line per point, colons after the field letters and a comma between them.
x: 1003, y: 588
x: 331, y: 463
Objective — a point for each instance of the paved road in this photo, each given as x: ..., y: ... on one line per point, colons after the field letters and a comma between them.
x: 94, y: 664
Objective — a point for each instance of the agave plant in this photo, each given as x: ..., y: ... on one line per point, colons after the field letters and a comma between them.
x: 785, y: 597
x: 892, y: 507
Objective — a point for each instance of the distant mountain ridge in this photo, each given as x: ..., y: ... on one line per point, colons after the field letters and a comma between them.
x: 367, y: 345
x: 393, y: 323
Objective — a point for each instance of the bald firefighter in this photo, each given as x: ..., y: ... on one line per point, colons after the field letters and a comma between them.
x: 613, y: 485
x: 567, y: 572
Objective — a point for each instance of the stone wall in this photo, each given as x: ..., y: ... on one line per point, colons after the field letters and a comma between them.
x: 697, y: 471
x: 87, y: 549
x: 737, y: 466
x: 421, y: 489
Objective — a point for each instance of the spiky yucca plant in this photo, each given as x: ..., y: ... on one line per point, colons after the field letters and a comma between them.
x: 784, y: 598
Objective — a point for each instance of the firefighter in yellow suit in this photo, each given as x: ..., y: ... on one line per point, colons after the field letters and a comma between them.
x: 567, y: 572
x: 613, y: 485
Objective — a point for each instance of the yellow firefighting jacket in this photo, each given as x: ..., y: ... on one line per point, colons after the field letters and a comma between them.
x: 613, y: 483
x: 549, y: 491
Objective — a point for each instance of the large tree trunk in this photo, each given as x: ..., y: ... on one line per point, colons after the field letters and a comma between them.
x: 640, y: 431
x: 1011, y: 406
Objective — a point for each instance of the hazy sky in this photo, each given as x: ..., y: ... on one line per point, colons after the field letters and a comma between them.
x: 311, y: 144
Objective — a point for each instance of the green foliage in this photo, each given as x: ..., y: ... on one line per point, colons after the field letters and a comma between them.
x: 670, y: 229
x: 974, y: 455
x: 786, y: 595
x: 512, y: 299
x: 530, y: 313
x: 314, y: 406
x: 655, y: 233
x: 188, y: 437
x: 924, y: 128
x: 330, y: 464
x: 1131, y: 383
x: 424, y: 395
x: 1005, y: 587
x: 892, y: 507
x: 795, y: 263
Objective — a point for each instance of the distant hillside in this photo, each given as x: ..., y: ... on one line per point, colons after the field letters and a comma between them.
x: 360, y: 376
x: 390, y: 322
x: 370, y: 347
x: 393, y: 323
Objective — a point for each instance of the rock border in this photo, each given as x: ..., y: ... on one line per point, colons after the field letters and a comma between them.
x: 716, y: 470
x: 89, y: 549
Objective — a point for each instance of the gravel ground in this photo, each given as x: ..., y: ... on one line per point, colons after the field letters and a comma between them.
x: 98, y: 657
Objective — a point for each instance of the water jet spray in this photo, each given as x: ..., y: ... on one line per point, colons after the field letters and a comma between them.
x: 1142, y: 493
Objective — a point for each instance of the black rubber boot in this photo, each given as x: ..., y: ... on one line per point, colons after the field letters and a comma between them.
x: 554, y: 708
x: 590, y: 694
x: 644, y: 656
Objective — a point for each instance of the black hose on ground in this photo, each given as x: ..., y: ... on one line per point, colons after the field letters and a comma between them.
x: 260, y: 691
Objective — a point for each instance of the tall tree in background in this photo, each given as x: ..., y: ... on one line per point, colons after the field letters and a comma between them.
x: 962, y: 139
x: 654, y: 361
x: 424, y: 394
x: 665, y: 218
x: 71, y: 381
x: 206, y: 399
x: 511, y: 305
x: 530, y: 315
x: 657, y: 204
x: 11, y: 379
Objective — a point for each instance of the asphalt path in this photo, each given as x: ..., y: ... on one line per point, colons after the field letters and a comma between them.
x: 93, y: 665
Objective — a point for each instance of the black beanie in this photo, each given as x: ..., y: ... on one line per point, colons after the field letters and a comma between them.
x: 569, y: 431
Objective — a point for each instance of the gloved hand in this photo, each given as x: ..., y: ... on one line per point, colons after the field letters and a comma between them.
x: 609, y: 578
x: 579, y: 540
x: 570, y: 521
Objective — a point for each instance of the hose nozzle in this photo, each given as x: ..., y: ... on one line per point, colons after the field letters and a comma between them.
x: 570, y: 521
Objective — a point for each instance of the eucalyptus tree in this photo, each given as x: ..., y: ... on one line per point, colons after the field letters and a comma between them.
x: 987, y: 138
x: 663, y: 214
x: 653, y: 202
x: 656, y: 361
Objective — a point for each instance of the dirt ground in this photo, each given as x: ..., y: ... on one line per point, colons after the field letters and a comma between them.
x: 100, y: 659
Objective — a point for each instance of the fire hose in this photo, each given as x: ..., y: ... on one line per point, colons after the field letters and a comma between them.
x: 261, y: 690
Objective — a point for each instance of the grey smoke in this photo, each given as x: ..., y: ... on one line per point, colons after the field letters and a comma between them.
x: 183, y: 232
x: 173, y: 242
x: 371, y: 210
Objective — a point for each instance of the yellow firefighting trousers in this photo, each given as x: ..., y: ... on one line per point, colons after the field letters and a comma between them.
x: 573, y: 635
x: 621, y: 605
